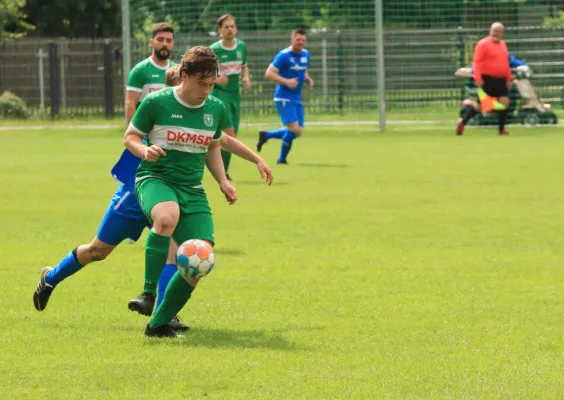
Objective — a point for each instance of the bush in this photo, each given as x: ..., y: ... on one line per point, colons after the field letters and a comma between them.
x: 11, y: 106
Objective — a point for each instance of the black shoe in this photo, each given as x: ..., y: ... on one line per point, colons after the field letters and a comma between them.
x: 228, y: 177
x: 282, y: 162
x: 177, y: 325
x: 42, y: 291
x: 143, y: 304
x: 262, y: 140
x: 160, y: 331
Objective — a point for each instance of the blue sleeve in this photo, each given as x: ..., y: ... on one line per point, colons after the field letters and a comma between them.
x: 280, y: 61
x: 514, y: 62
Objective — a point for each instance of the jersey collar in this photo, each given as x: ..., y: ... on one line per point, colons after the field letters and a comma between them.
x: 177, y: 97
x: 158, y: 66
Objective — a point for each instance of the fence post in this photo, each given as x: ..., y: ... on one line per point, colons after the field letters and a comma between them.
x: 340, y: 72
x: 54, y: 79
x: 379, y: 23
x: 324, y: 72
x: 462, y: 56
x: 108, y: 81
x: 41, y: 56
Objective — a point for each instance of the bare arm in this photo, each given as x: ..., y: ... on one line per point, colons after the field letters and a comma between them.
x: 238, y: 148
x: 134, y: 143
x: 245, y: 72
x: 271, y: 74
x: 131, y: 100
x: 215, y: 163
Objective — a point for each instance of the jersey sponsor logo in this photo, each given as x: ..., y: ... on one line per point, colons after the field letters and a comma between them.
x: 184, y: 137
x: 208, y: 119
x: 230, y: 68
x: 154, y: 89
x: 298, y: 67
x: 177, y: 116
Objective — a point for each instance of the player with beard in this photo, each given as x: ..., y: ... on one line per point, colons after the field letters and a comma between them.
x: 124, y: 218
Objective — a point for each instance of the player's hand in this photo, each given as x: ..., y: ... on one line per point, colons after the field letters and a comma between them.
x: 309, y: 82
x: 292, y: 83
x: 246, y: 84
x: 153, y: 153
x: 222, y: 79
x: 265, y: 172
x: 229, y: 191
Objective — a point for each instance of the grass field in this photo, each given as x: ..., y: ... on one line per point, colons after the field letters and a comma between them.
x: 407, y: 265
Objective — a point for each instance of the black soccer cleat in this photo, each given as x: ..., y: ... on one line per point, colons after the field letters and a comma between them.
x: 42, y: 291
x: 143, y: 304
x: 177, y: 325
x: 163, y: 331
x: 262, y: 140
x: 282, y: 162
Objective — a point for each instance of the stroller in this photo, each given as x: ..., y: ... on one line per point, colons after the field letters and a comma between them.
x: 525, y: 106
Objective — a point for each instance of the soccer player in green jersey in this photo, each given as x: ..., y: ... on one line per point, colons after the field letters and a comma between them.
x: 233, y: 69
x: 183, y: 125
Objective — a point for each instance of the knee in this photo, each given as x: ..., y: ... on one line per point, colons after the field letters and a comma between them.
x: 297, y: 130
x: 165, y: 223
x: 504, y: 101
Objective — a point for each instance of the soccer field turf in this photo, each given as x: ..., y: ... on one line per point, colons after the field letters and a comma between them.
x: 407, y: 265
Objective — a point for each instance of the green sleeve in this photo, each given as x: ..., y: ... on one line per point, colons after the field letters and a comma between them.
x: 224, y: 122
x: 144, y: 118
x: 135, y: 80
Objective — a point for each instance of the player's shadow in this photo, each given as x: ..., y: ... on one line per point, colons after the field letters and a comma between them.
x: 256, y: 183
x: 231, y: 338
x: 230, y: 252
x: 322, y: 165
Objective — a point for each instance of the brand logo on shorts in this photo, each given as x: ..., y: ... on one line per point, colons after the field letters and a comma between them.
x: 208, y: 119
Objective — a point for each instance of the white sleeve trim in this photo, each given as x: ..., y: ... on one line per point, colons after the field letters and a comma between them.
x: 272, y: 65
x: 137, y: 130
x: 134, y: 89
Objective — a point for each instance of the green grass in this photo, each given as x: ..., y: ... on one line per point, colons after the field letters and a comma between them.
x: 409, y: 265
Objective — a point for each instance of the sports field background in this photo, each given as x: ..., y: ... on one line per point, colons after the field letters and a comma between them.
x: 407, y: 265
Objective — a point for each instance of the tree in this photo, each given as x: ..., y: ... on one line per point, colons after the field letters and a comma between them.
x: 12, y: 19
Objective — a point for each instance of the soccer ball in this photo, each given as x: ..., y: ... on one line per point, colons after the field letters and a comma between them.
x: 195, y: 258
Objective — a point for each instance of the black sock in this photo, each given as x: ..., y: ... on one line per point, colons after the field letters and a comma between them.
x: 467, y: 114
x: 502, y: 118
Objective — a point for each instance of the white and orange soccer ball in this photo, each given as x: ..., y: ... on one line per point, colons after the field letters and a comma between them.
x: 195, y: 258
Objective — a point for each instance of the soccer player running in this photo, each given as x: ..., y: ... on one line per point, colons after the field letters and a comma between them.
x: 184, y: 126
x: 124, y: 218
x: 233, y: 69
x: 492, y: 75
x: 289, y: 71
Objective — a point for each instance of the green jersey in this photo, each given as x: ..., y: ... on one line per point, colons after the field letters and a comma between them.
x: 231, y: 63
x: 147, y: 77
x: 183, y: 131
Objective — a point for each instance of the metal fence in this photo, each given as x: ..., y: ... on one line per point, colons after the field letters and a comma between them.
x: 72, y: 77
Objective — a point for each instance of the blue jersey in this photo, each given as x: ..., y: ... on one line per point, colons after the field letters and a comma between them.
x: 290, y: 65
x: 514, y: 62
x: 125, y: 169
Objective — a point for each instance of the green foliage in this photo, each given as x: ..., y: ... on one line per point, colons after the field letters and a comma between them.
x: 12, y: 19
x: 12, y: 106
x: 555, y: 22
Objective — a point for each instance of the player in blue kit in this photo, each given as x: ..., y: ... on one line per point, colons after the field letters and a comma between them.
x: 123, y: 218
x: 289, y: 71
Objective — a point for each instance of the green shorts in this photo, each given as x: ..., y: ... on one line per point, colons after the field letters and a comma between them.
x: 233, y: 105
x: 195, y: 220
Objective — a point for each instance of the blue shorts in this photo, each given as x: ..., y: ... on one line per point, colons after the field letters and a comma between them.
x: 290, y: 111
x: 123, y: 219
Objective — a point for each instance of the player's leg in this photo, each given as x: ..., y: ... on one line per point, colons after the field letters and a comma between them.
x: 113, y: 229
x: 179, y: 291
x: 469, y: 109
x: 294, y: 121
x: 159, y: 203
x: 265, y: 136
x: 234, y: 113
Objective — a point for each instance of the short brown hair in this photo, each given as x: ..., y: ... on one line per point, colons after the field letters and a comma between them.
x: 199, y: 60
x: 173, y: 75
x: 299, y: 31
x: 161, y: 27
x: 223, y: 18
